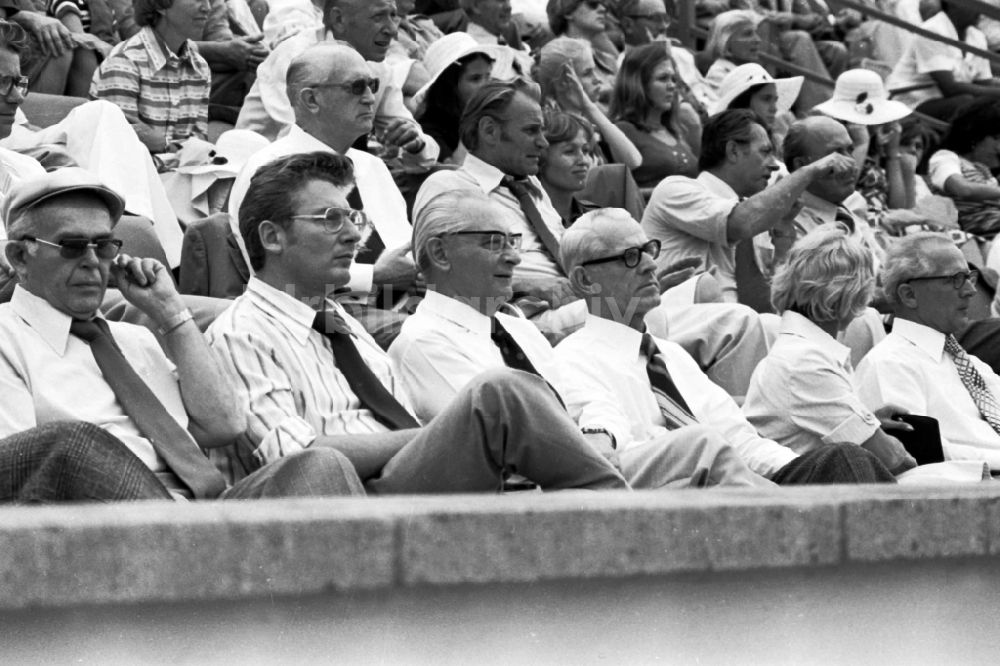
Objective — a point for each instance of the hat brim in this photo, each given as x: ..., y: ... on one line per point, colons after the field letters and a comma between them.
x: 883, y: 111
x: 115, y: 204
x: 488, y: 50
x: 787, y: 89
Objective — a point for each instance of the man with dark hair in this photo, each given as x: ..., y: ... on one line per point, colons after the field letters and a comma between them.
x: 160, y: 400
x: 368, y: 26
x: 315, y: 379
x: 157, y: 77
x: 730, y: 200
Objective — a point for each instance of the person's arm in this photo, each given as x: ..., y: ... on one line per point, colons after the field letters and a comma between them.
x: 887, y: 138
x: 889, y: 451
x: 216, y: 415
x: 945, y: 80
x: 52, y: 35
x: 960, y: 187
x: 757, y: 214
x: 237, y: 54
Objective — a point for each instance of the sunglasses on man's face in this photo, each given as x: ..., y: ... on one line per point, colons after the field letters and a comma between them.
x: 594, y: 4
x: 74, y: 248
x: 356, y: 87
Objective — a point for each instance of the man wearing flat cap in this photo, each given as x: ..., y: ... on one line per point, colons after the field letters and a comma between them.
x: 98, y: 410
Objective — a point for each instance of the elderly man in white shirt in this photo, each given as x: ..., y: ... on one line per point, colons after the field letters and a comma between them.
x: 467, y: 251
x: 370, y: 27
x: 920, y: 367
x: 640, y: 388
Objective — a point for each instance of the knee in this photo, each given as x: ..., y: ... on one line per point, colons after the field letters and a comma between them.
x: 504, y: 380
x: 707, y: 439
x: 327, y: 468
x: 65, y: 438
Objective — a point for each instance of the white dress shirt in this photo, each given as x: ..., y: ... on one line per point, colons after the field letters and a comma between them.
x: 445, y: 343
x: 802, y: 394
x: 268, y: 111
x: 910, y: 369
x: 266, y: 343
x: 288, y: 17
x: 383, y: 202
x: 689, y: 217
x: 48, y: 374
x: 477, y: 174
x: 606, y: 386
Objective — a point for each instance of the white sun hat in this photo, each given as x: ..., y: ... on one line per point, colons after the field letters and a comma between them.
x: 860, y: 97
x: 448, y: 50
x: 751, y: 74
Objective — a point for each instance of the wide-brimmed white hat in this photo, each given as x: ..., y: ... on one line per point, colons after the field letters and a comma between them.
x: 860, y: 97
x: 448, y: 50
x: 751, y: 74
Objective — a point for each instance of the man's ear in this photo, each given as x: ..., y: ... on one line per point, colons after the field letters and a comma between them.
x: 489, y: 130
x: 272, y: 236
x: 437, y: 253
x: 334, y: 20
x: 583, y: 286
x: 906, y: 296
x: 734, y: 151
x: 306, y: 99
x: 16, y: 253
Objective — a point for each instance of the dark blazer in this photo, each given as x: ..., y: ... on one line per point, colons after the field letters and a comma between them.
x: 211, y: 261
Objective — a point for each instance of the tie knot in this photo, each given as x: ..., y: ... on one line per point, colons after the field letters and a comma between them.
x: 952, y: 346
x: 88, y: 330
x: 648, y: 346
x: 328, y: 322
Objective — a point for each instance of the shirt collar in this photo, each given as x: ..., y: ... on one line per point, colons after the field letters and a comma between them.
x: 50, y: 324
x: 305, y: 142
x: 159, y: 53
x: 293, y: 315
x: 457, y: 312
x: 819, y: 208
x: 793, y: 323
x: 623, y: 341
x: 924, y: 338
x: 488, y: 176
x: 717, y: 186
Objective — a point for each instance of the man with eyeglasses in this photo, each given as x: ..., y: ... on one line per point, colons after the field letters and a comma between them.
x: 368, y: 26
x: 466, y: 248
x: 920, y: 366
x: 639, y: 389
x: 332, y: 94
x: 315, y: 379
x: 98, y: 410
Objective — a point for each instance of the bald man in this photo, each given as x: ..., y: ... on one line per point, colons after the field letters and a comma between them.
x: 329, y: 118
x: 467, y: 246
x: 642, y: 389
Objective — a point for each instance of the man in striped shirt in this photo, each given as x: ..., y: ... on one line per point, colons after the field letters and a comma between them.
x: 157, y: 77
x: 305, y: 390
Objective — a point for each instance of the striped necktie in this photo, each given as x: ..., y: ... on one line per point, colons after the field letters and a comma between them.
x: 672, y: 405
x: 974, y: 383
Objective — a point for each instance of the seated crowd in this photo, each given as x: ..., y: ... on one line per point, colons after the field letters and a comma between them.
x: 350, y: 247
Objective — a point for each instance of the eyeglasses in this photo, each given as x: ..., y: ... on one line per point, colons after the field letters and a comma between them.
x: 594, y: 4
x: 498, y: 240
x: 659, y: 19
x: 356, y: 87
x: 9, y: 83
x: 74, y: 248
x: 958, y: 280
x: 631, y: 256
x: 333, y: 219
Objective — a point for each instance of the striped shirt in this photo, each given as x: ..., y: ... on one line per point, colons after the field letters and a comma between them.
x: 287, y: 371
x: 155, y: 86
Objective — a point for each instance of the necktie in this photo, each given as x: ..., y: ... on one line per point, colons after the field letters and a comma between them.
x: 372, y: 246
x: 172, y: 442
x: 521, y: 190
x: 366, y: 386
x: 981, y: 395
x: 843, y: 216
x: 675, y: 410
x: 513, y: 356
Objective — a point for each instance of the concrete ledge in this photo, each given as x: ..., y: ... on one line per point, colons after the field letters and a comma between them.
x: 162, y: 552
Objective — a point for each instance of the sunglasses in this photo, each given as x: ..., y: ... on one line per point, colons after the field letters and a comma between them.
x: 594, y: 4
x: 9, y: 83
x: 356, y: 87
x: 74, y: 248
x: 958, y: 280
x: 333, y: 219
x: 631, y: 256
x: 498, y: 240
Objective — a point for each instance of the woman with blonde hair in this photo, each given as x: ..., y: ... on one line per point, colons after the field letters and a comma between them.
x: 802, y: 394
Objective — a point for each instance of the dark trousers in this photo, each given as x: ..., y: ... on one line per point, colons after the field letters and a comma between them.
x: 837, y: 463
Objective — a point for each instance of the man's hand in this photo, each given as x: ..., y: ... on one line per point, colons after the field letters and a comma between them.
x: 54, y: 37
x: 146, y: 284
x: 833, y: 166
x: 887, y: 416
x: 88, y: 41
x: 244, y: 53
x: 403, y: 133
x: 674, y: 274
x: 556, y: 291
x: 395, y: 269
x: 602, y: 444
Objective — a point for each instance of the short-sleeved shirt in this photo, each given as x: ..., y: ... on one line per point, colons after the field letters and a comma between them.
x: 155, y: 86
x: 689, y: 217
x: 802, y: 394
x: 59, y: 8
x: 923, y: 56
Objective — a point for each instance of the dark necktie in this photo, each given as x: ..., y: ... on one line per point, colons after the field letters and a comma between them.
x: 373, y: 245
x: 974, y: 383
x: 844, y: 217
x: 172, y: 442
x: 513, y: 356
x: 370, y: 391
x: 672, y: 405
x: 522, y: 191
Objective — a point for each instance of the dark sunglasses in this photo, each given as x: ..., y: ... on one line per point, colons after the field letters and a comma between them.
x: 74, y: 248
x: 631, y: 256
x: 333, y: 219
x: 595, y: 4
x: 958, y: 280
x: 356, y: 87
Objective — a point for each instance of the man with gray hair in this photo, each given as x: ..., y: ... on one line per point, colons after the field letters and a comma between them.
x: 467, y: 247
x: 920, y: 366
x: 641, y: 389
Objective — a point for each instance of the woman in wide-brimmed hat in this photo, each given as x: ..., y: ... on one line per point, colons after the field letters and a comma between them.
x: 749, y: 86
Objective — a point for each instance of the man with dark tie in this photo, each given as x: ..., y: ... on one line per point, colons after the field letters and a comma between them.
x: 314, y: 378
x: 332, y: 93
x: 466, y: 247
x: 98, y: 410
x: 641, y: 389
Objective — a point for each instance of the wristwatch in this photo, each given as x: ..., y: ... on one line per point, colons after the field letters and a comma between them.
x: 601, y: 431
